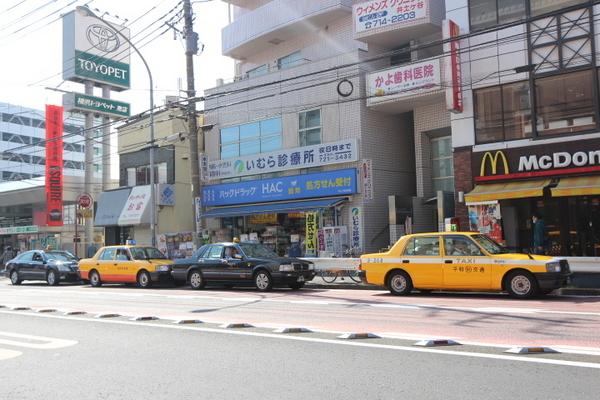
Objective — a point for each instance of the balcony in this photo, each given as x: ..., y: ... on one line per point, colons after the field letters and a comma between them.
x: 390, y: 25
x: 405, y: 87
x: 278, y: 21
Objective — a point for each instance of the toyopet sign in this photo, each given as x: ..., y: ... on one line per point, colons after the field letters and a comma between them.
x: 17, y: 230
x: 97, y: 105
x: 377, y: 13
x: 575, y: 157
x: 342, y: 151
x: 406, y: 80
x: 333, y: 183
x: 94, y: 51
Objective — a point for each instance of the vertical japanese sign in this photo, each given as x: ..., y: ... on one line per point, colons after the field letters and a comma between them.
x: 356, y: 229
x: 54, y: 165
x: 454, y: 100
x: 311, y: 233
x: 366, y: 175
x: 198, y: 214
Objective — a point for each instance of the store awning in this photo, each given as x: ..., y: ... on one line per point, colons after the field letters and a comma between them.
x: 577, y: 186
x: 293, y: 206
x: 136, y: 210
x: 507, y: 190
x: 110, y: 205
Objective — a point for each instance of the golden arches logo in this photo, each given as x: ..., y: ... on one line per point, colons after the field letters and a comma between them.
x: 493, y: 159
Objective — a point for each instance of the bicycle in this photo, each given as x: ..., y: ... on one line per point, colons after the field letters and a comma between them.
x: 330, y: 276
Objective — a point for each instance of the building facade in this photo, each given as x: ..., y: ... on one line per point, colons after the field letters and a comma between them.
x: 527, y: 141
x: 307, y: 143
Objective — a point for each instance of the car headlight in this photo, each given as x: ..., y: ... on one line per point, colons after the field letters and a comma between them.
x: 163, y: 268
x: 553, y: 267
x: 286, y: 268
x: 63, y: 267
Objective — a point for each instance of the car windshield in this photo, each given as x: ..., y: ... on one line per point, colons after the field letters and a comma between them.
x: 489, y: 245
x: 146, y: 253
x: 61, y: 256
x: 257, y: 251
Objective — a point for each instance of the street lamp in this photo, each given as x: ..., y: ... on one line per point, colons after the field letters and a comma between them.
x: 87, y: 12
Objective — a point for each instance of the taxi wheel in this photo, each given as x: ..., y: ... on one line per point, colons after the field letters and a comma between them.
x: 399, y: 283
x: 521, y: 285
x: 95, y: 279
x: 144, y: 280
x: 263, y: 281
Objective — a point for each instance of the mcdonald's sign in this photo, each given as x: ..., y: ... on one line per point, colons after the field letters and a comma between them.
x: 492, y: 160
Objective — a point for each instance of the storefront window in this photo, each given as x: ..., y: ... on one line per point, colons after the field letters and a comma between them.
x: 565, y: 103
x: 503, y: 113
x: 309, y: 128
x: 539, y: 7
x: 252, y: 138
x: 442, y: 164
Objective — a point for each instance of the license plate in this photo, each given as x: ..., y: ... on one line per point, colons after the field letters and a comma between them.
x: 300, y: 279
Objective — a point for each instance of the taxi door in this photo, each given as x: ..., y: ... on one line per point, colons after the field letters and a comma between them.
x: 465, y: 266
x: 125, y: 268
x: 422, y: 259
x: 104, y: 264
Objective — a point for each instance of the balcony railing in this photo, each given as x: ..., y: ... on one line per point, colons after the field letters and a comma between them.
x: 278, y: 21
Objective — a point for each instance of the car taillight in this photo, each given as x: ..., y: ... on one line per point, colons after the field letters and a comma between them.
x: 360, y: 266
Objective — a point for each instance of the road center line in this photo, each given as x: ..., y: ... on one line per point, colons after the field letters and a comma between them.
x: 547, y: 361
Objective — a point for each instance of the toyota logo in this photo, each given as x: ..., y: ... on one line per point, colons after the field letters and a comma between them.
x: 103, y: 38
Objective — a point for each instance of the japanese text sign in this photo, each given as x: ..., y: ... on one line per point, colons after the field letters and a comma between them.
x: 311, y: 233
x: 356, y: 228
x: 54, y: 165
x: 377, y: 13
x: 406, y: 80
x: 322, y: 184
x: 301, y: 157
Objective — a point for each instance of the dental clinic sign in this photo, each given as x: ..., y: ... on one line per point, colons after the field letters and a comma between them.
x: 93, y: 51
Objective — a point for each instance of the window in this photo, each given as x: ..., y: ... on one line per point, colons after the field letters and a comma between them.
x: 487, y: 13
x: 26, y: 256
x: 442, y: 164
x: 309, y: 127
x: 258, y: 71
x: 539, y: 7
x: 251, y: 138
x: 565, y: 103
x: 423, y: 246
x: 214, y: 252
x: 291, y: 60
x: 122, y: 255
x: 460, y: 246
x: 108, y: 254
x: 502, y: 112
x: 130, y: 176
x: 138, y: 176
x: 401, y: 55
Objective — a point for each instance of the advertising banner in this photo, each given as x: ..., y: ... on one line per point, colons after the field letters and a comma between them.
x: 312, y: 227
x: 377, y: 13
x: 356, y: 229
x: 486, y: 219
x: 366, y: 174
x: 342, y: 151
x: 322, y: 184
x: 136, y: 210
x: 54, y: 165
x: 454, y: 100
x: 406, y: 80
x: 94, y: 51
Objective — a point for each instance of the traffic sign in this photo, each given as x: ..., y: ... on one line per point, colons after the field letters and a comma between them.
x: 85, y: 200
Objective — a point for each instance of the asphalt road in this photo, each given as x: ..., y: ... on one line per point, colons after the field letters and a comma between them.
x: 45, y: 353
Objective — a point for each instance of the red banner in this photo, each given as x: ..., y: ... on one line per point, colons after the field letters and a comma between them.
x: 54, y: 165
x: 454, y: 100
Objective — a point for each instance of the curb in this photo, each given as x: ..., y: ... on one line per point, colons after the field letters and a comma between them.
x: 352, y: 286
x: 578, y: 292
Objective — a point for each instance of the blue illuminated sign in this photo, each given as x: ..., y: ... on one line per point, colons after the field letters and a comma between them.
x: 321, y: 184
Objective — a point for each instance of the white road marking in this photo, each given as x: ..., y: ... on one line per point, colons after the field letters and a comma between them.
x: 43, y: 343
x: 522, y: 359
x: 6, y: 354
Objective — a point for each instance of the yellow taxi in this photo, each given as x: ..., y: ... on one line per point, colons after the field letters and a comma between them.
x: 462, y: 261
x: 126, y: 264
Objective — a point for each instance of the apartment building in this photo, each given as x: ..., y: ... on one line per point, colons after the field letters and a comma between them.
x: 528, y: 140
x: 309, y: 150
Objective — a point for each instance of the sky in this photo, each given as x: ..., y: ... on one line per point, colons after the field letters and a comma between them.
x: 31, y: 49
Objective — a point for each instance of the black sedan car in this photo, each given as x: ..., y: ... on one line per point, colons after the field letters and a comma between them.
x: 37, y: 265
x: 241, y: 264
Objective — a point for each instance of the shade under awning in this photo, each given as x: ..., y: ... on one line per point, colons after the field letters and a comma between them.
x: 507, y: 190
x: 110, y: 205
x: 294, y: 206
x: 577, y: 186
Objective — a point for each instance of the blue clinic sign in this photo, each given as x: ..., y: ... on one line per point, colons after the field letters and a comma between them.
x: 322, y: 184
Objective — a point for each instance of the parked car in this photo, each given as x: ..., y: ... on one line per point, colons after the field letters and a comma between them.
x: 126, y: 264
x: 37, y: 265
x: 242, y: 264
x: 464, y: 262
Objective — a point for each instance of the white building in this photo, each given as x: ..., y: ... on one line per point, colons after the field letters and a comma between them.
x: 307, y: 74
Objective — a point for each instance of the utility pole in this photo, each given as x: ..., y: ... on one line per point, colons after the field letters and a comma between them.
x: 89, y: 166
x: 191, y: 48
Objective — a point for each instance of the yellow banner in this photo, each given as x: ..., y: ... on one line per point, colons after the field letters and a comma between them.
x: 263, y: 219
x: 312, y: 227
